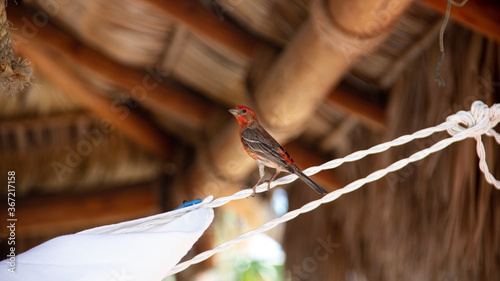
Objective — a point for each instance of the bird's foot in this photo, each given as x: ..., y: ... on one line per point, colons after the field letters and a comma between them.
x: 254, y: 191
x: 246, y: 187
x: 268, y: 184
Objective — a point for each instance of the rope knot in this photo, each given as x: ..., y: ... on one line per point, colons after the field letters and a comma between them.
x: 479, y: 120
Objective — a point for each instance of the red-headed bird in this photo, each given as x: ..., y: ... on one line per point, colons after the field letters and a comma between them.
x: 262, y: 147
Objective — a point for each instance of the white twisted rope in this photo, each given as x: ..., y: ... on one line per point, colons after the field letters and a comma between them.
x: 480, y: 120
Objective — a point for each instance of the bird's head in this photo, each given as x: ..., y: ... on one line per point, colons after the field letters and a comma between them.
x: 245, y: 116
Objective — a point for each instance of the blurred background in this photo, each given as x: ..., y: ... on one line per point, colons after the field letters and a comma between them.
x: 126, y: 117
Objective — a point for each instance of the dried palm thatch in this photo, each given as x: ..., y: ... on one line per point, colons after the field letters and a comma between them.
x: 447, y: 227
x: 210, y: 68
x: 437, y: 219
x: 191, y: 59
x: 113, y: 27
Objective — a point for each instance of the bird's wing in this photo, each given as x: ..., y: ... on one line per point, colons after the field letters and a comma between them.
x: 260, y: 142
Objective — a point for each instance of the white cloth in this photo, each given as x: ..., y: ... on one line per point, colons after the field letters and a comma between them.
x: 143, y: 253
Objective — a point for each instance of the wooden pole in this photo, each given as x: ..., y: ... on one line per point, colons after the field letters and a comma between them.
x: 318, y: 56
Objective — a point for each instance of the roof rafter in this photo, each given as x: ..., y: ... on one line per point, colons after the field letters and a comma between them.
x: 199, y: 19
x: 347, y: 101
x: 70, y: 212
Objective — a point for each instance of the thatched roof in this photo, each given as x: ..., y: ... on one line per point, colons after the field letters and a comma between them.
x: 131, y: 96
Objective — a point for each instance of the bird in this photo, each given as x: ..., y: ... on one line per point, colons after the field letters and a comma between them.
x: 262, y: 147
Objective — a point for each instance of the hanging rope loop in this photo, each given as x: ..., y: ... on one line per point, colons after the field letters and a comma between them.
x: 478, y: 121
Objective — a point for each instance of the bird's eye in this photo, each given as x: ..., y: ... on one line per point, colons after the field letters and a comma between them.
x: 244, y: 111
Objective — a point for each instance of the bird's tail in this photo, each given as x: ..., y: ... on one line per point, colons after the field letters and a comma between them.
x: 310, y: 182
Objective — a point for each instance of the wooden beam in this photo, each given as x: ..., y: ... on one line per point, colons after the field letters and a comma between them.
x: 48, y: 62
x: 20, y: 135
x: 368, y: 113
x: 202, y: 21
x: 52, y: 215
x: 57, y: 120
x: 482, y: 16
x: 146, y: 87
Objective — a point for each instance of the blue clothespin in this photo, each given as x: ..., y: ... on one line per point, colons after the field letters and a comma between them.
x: 189, y: 203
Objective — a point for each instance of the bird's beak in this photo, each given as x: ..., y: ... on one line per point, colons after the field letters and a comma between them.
x: 234, y: 111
